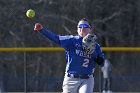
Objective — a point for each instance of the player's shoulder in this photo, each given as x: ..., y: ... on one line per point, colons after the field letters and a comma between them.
x: 76, y: 37
x: 97, y: 44
x: 68, y: 37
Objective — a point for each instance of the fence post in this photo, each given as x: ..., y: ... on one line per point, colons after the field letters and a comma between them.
x: 25, y: 73
x: 100, y: 80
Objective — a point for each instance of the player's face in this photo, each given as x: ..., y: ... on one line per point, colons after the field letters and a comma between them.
x: 83, y: 28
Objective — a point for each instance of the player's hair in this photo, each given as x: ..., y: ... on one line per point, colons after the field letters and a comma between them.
x: 85, y: 19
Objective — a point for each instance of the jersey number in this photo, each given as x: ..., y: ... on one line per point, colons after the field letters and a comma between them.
x: 85, y: 64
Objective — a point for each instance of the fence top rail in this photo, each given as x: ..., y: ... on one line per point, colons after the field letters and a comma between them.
x: 58, y: 49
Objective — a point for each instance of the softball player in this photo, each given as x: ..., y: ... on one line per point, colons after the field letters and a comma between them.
x: 106, y: 70
x: 82, y: 54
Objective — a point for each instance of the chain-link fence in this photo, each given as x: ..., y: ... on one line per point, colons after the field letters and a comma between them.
x: 36, y: 71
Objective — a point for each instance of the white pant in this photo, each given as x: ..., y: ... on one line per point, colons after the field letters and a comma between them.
x: 77, y: 85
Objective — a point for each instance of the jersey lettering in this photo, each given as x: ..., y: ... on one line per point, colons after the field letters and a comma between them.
x: 83, y: 54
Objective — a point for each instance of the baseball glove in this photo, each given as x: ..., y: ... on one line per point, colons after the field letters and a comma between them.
x: 89, y: 43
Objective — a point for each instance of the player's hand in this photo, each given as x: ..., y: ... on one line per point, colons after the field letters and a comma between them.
x: 38, y: 27
x: 99, y: 60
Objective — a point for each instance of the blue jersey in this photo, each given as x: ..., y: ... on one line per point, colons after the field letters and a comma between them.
x: 78, y: 62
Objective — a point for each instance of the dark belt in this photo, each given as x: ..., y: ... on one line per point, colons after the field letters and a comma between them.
x: 78, y: 76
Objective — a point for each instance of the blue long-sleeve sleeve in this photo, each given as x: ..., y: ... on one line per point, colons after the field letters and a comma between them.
x: 99, y: 53
x: 50, y: 35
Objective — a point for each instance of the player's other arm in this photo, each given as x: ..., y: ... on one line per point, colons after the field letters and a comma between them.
x: 48, y: 34
x: 99, y: 59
